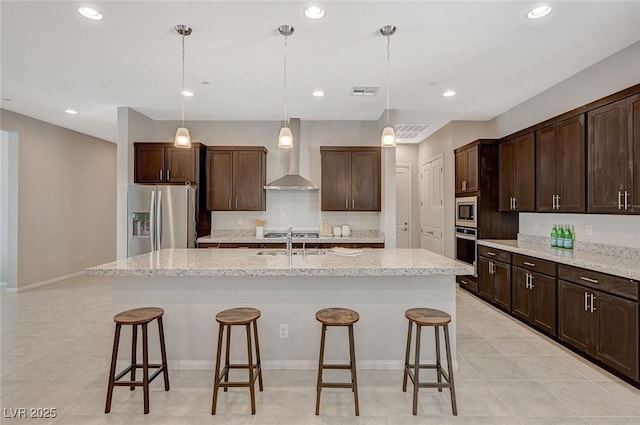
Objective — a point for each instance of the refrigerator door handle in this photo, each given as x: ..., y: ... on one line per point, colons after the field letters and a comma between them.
x: 159, y: 221
x: 152, y: 222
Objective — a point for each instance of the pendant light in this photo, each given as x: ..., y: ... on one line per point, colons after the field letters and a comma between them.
x: 285, y: 138
x: 183, y: 139
x: 388, y: 139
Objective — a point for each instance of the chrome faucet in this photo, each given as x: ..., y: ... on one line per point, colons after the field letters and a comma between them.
x: 289, y: 241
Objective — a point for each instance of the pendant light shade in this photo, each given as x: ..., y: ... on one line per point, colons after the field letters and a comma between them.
x: 388, y: 139
x: 285, y: 138
x: 183, y: 138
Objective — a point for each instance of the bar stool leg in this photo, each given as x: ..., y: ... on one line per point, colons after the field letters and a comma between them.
x: 259, y: 365
x: 252, y: 389
x: 112, y: 370
x: 320, y: 364
x: 134, y: 342
x: 450, y: 369
x: 145, y: 368
x: 226, y: 357
x: 163, y: 352
x: 416, y: 372
x: 406, y: 358
x: 354, y: 377
x: 216, y: 377
x: 438, y: 361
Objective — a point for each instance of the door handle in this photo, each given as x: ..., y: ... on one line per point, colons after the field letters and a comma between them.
x: 558, y: 201
x: 531, y: 281
x: 346, y: 203
x: 515, y: 203
x: 553, y: 202
x: 152, y: 220
x: 593, y: 307
x: 236, y: 203
x: 353, y: 203
x: 586, y: 301
x: 168, y: 174
x: 626, y: 202
x: 619, y: 199
x: 159, y: 221
x: 160, y: 175
x: 229, y: 203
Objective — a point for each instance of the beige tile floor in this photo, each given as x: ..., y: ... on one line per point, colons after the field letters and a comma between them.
x: 55, y: 353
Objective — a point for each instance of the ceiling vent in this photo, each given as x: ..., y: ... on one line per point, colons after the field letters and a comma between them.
x: 364, y: 91
x: 411, y: 133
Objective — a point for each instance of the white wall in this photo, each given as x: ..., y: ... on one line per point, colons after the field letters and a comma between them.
x: 66, y: 200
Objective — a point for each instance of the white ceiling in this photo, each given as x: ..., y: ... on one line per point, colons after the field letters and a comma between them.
x: 54, y: 59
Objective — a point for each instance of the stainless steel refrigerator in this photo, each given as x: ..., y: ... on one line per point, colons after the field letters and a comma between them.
x: 160, y: 216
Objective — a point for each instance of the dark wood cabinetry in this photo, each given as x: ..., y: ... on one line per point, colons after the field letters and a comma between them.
x: 467, y: 171
x: 494, y: 277
x: 164, y: 163
x: 351, y: 178
x: 614, y: 157
x: 534, y: 298
x: 517, y: 174
x: 560, y: 167
x: 236, y: 176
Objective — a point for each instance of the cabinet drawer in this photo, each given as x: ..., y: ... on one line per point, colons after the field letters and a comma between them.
x: 604, y: 282
x: 495, y: 254
x: 468, y: 283
x: 534, y: 264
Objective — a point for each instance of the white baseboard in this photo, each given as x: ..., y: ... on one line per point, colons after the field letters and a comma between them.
x: 44, y: 282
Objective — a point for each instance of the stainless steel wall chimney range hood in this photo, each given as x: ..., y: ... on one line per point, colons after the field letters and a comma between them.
x: 290, y: 158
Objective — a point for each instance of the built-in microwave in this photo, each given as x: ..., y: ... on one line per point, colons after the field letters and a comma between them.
x: 467, y: 211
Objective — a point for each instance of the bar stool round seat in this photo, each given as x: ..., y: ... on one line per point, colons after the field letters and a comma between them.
x: 333, y: 317
x: 241, y: 316
x: 137, y: 317
x: 436, y: 319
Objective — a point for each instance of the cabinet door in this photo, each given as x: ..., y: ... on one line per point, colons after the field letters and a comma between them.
x: 507, y: 164
x: 543, y: 288
x: 548, y: 154
x: 525, y: 172
x: 461, y: 172
x: 149, y: 164
x: 336, y: 182
x: 617, y: 342
x: 180, y: 165
x: 635, y: 135
x: 502, y: 285
x: 472, y: 169
x: 575, y: 323
x: 248, y: 180
x: 365, y: 181
x: 522, y: 300
x: 485, y: 279
x: 219, y: 180
x: 572, y: 165
x: 609, y: 150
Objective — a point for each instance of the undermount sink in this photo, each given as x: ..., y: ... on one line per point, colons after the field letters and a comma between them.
x: 294, y: 252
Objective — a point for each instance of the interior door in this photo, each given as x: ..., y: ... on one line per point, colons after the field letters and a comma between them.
x: 403, y: 206
x: 426, y: 182
x: 431, y: 205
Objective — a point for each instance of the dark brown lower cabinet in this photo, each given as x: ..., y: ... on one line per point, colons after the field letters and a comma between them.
x: 495, y: 282
x: 534, y: 299
x: 602, y: 325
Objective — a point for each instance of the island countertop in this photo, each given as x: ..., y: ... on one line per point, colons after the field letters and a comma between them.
x: 234, y: 262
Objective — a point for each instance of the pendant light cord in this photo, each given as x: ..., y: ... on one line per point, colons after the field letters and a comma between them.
x: 388, y: 72
x: 286, y: 121
x: 182, y: 93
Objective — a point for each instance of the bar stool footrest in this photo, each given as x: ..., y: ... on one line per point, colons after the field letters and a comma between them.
x: 336, y: 385
x: 337, y: 366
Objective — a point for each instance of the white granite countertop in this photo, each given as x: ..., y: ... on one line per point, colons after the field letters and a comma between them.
x: 618, y: 266
x: 235, y: 262
x: 230, y: 236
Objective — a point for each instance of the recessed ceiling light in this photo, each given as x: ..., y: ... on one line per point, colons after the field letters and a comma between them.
x: 90, y: 13
x: 187, y: 93
x: 314, y: 12
x: 449, y: 93
x: 71, y: 111
x: 317, y: 93
x: 538, y: 12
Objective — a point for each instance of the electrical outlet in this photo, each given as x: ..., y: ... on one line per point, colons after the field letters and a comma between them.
x: 589, y: 230
x: 239, y: 222
x: 535, y: 226
x: 284, y: 331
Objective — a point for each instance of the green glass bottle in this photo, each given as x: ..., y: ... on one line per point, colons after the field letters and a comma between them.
x: 554, y: 237
x: 568, y: 240
x: 561, y: 236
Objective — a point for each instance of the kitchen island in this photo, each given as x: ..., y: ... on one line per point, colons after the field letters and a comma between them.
x: 192, y: 285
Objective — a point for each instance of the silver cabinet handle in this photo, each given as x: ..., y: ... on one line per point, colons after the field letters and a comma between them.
x: 531, y: 281
x: 236, y: 203
x: 353, y: 203
x: 168, y: 178
x: 619, y: 199
x: 586, y: 301
x: 553, y: 202
x: 160, y: 175
x: 626, y: 200
x: 588, y: 279
x: 515, y: 203
x: 346, y: 204
x: 493, y: 254
x: 464, y: 185
x: 526, y: 263
x: 558, y: 202
x: 593, y: 307
x: 229, y: 203
x: 511, y: 203
x: 464, y: 282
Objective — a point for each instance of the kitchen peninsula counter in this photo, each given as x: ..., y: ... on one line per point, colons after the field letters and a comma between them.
x: 192, y: 285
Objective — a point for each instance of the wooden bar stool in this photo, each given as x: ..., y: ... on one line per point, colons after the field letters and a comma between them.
x: 337, y: 317
x: 136, y: 317
x: 235, y: 317
x: 436, y: 318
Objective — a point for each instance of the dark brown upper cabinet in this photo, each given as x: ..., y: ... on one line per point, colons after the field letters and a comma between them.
x: 560, y: 166
x: 613, y: 152
x: 351, y: 178
x: 164, y: 163
x: 467, y: 171
x: 517, y: 174
x: 236, y: 176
